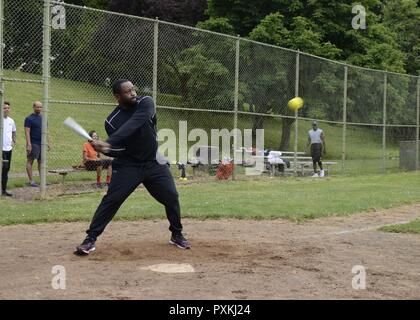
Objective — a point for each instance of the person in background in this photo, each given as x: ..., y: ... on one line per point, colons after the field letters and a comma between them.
x: 9, y: 141
x: 33, y: 135
x: 92, y: 161
x: 316, y: 140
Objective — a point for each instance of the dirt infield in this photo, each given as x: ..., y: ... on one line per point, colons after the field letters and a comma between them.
x: 232, y: 259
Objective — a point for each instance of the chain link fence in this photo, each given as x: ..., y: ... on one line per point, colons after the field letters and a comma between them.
x: 200, y: 79
x: 21, y: 70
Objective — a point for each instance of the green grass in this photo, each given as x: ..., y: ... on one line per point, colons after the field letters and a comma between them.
x: 247, y: 198
x: 411, y: 227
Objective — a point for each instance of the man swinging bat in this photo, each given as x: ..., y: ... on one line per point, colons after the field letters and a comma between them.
x: 132, y: 143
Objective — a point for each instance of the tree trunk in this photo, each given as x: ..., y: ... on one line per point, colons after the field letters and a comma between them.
x: 285, y: 133
x: 257, y: 123
x: 183, y: 83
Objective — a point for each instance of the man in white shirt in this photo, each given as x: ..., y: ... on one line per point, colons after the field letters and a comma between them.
x: 316, y: 140
x: 9, y: 141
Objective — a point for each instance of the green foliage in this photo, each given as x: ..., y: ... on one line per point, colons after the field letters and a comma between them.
x: 271, y: 86
x: 379, y: 50
x: 403, y: 18
x: 221, y: 25
x: 96, y: 48
x: 301, y: 34
x: 305, y: 37
x: 245, y: 15
x: 265, y: 80
x: 271, y: 30
x: 364, y: 96
x: 321, y: 86
x: 206, y: 78
x: 23, y: 36
x: 99, y: 4
x: 324, y: 28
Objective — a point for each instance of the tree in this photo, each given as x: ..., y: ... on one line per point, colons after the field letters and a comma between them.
x: 187, y: 12
x: 127, y: 6
x: 96, y: 48
x: 98, y: 4
x: 269, y: 79
x: 188, y: 57
x: 23, y: 36
x: 220, y: 25
x: 306, y: 36
x: 275, y: 81
x: 243, y: 15
x: 324, y: 28
x: 403, y: 18
x: 205, y: 79
x: 379, y: 49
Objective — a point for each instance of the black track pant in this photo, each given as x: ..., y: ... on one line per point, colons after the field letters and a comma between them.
x: 158, y: 181
x: 7, y: 155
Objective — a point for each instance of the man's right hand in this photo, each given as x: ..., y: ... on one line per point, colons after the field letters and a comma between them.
x: 28, y: 148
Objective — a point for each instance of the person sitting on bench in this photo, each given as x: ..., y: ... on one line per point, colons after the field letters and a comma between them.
x: 92, y: 161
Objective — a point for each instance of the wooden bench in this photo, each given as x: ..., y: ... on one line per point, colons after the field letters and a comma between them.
x: 63, y: 172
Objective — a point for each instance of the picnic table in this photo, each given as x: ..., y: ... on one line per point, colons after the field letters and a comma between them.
x: 303, y: 163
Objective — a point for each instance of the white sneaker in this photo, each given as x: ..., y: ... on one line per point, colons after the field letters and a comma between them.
x: 315, y: 175
x: 321, y: 173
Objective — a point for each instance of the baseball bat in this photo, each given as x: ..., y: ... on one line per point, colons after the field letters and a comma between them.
x: 72, y: 124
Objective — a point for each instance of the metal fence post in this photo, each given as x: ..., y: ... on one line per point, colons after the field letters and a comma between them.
x: 384, y: 123
x: 155, y: 58
x: 235, y: 115
x: 343, y: 152
x: 296, y: 112
x: 1, y: 85
x: 418, y: 123
x: 46, y: 78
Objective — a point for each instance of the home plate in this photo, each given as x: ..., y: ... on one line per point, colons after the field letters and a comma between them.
x: 170, y: 268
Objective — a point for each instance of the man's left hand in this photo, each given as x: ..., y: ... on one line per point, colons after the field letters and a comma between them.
x: 101, y: 146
